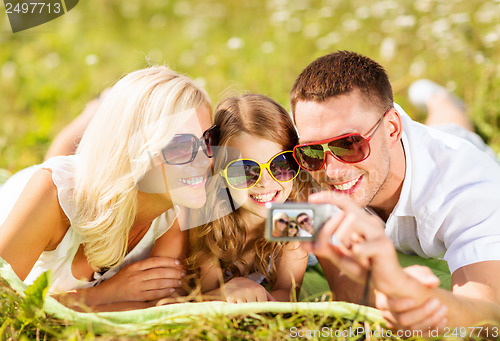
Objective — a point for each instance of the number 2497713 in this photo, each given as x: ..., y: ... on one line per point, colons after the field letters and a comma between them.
x: 471, y: 332
x: 34, y: 7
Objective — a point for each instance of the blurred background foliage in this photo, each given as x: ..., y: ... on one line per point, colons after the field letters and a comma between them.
x: 48, y: 73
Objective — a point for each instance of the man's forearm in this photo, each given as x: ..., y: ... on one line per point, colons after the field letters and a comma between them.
x: 463, y: 311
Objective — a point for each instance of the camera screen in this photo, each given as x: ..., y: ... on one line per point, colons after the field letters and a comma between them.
x: 290, y: 223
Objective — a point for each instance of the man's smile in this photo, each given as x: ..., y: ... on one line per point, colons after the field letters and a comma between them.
x: 346, y: 187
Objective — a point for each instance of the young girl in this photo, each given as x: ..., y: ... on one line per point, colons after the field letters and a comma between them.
x: 293, y: 229
x: 93, y: 218
x: 256, y: 167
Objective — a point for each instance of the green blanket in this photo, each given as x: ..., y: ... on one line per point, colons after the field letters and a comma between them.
x: 141, y: 321
x: 138, y: 321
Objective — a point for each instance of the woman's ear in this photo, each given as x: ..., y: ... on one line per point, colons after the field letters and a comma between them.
x: 221, y: 180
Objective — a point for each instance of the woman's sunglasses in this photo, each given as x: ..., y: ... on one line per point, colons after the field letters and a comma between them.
x: 183, y: 148
x: 349, y: 148
x: 245, y: 173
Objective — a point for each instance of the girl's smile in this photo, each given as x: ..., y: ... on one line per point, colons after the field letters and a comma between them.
x: 266, y: 189
x: 262, y: 198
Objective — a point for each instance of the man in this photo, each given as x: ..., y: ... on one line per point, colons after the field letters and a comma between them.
x: 305, y: 223
x: 435, y: 195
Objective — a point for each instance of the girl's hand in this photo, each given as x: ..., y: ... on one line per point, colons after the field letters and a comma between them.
x: 242, y: 290
x: 146, y: 280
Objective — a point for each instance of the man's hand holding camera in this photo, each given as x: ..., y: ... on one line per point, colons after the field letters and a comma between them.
x: 355, y: 242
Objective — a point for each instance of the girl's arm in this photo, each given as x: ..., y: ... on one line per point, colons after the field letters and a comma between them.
x: 290, y: 273
x: 211, y: 279
x: 236, y: 290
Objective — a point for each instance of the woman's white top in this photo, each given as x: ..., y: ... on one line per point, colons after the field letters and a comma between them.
x: 61, y: 259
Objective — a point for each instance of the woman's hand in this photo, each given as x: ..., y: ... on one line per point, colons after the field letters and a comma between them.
x: 146, y: 280
x: 242, y: 290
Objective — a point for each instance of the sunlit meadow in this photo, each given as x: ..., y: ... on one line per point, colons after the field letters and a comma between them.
x: 48, y: 73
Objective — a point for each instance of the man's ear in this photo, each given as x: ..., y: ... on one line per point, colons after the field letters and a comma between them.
x: 394, y: 126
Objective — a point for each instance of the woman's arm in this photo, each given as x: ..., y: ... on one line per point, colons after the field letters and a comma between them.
x: 290, y: 273
x: 144, y: 283
x: 174, y: 244
x: 138, y: 285
x: 35, y: 224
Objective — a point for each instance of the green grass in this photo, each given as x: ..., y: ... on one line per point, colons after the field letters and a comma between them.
x: 48, y: 73
x: 21, y: 319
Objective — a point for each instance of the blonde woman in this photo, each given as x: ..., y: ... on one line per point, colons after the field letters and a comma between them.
x: 280, y: 224
x: 231, y: 255
x: 93, y: 218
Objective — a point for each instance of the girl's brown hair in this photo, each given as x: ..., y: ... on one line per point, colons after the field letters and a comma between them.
x: 224, y: 238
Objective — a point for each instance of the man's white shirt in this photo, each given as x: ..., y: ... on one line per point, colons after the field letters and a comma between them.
x: 449, y: 205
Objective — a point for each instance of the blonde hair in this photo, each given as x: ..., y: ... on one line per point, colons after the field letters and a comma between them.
x: 224, y: 238
x: 135, y: 120
x: 277, y: 216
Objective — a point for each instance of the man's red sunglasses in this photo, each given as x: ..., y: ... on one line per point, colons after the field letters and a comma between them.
x: 348, y: 148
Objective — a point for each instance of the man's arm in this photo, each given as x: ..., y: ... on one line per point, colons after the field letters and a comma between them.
x: 479, y: 280
x: 465, y: 308
x: 478, y: 285
x: 474, y: 302
x: 475, y: 296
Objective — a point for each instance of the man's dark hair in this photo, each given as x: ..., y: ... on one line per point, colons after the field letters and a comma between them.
x: 340, y: 73
x: 300, y: 215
